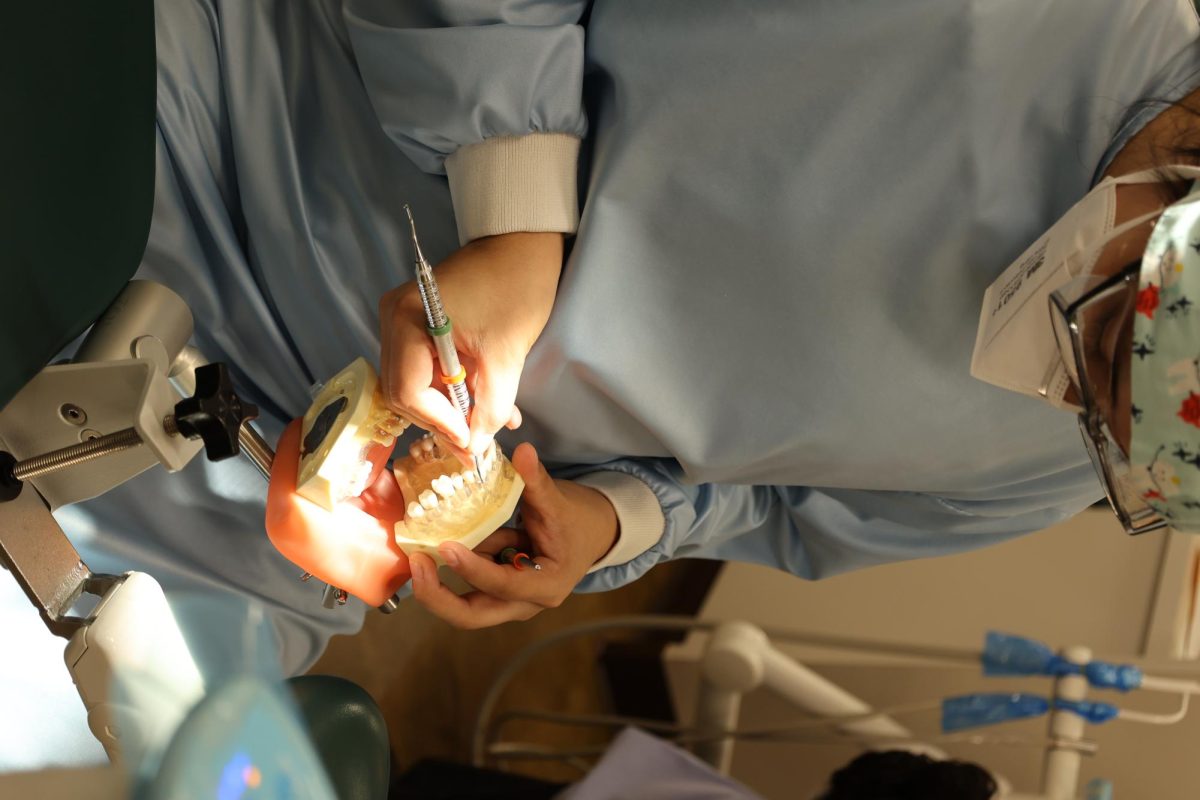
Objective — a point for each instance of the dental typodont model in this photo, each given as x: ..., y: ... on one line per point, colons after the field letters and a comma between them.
x: 348, y: 431
x: 447, y: 502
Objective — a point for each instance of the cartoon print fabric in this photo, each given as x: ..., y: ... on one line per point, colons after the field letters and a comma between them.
x: 1165, y: 367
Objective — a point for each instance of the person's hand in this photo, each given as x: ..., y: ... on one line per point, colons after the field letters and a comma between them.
x: 352, y: 547
x: 498, y: 292
x: 568, y: 528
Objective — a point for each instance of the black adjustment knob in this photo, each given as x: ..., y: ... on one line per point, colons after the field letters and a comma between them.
x: 214, y: 413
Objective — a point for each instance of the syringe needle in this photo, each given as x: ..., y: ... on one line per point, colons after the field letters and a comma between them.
x: 439, y: 328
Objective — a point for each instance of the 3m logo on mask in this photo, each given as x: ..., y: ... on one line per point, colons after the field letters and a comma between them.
x: 1028, y: 268
x: 1014, y: 346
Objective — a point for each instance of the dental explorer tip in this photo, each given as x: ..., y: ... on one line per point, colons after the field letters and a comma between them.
x: 412, y: 226
x: 478, y: 469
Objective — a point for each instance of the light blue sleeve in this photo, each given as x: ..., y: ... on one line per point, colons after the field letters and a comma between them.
x: 817, y: 533
x: 445, y: 74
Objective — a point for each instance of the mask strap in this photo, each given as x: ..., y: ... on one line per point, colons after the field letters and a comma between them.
x: 1155, y: 174
x: 1053, y: 386
x: 1093, y: 252
x: 1129, y: 225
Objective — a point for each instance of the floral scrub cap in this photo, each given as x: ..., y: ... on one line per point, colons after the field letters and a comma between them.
x: 1165, y: 368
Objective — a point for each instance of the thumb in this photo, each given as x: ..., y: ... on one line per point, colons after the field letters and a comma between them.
x: 540, y: 492
x: 496, y: 382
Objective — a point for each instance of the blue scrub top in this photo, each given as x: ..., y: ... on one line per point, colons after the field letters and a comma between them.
x: 790, y: 215
x: 791, y: 211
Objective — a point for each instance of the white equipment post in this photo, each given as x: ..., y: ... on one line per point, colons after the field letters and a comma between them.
x: 739, y: 658
x: 1060, y: 778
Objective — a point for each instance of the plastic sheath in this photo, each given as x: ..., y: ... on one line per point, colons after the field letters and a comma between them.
x: 976, y: 710
x: 1092, y: 711
x: 1006, y: 654
x: 1122, y: 677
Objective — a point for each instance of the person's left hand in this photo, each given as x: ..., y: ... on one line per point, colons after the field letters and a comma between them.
x: 568, y: 528
x: 352, y: 547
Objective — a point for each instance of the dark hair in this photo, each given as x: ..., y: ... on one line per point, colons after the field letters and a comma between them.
x: 1186, y: 148
x: 1183, y: 149
x: 900, y: 775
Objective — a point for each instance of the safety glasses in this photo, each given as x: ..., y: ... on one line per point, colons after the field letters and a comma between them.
x: 1092, y: 318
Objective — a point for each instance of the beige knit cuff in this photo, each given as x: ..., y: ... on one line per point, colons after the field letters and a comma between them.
x: 639, y: 515
x: 515, y: 183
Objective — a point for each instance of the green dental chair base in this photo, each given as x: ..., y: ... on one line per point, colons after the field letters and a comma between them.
x: 348, y: 731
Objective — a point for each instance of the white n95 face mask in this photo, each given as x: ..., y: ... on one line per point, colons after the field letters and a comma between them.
x: 1015, y: 347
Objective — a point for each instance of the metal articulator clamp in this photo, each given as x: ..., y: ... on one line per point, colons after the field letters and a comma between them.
x: 80, y: 428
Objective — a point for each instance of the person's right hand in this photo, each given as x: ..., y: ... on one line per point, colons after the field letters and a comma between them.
x: 498, y: 292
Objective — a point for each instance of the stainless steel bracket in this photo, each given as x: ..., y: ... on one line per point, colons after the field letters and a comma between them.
x: 45, y: 563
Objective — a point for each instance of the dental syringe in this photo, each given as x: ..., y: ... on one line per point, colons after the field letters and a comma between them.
x: 439, y: 328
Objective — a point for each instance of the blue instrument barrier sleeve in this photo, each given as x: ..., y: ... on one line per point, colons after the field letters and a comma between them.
x: 1122, y: 677
x: 1005, y: 654
x: 977, y: 710
x: 1094, y: 712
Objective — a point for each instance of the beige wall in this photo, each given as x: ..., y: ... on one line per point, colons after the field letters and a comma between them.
x: 1084, y: 582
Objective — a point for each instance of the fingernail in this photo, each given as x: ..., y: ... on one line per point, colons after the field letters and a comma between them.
x: 418, y: 570
x: 448, y: 555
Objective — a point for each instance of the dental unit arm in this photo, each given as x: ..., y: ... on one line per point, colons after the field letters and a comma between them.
x: 77, y: 430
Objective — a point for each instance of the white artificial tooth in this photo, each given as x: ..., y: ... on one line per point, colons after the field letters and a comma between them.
x: 414, y: 450
x: 429, y: 500
x: 415, y: 511
x: 427, y: 443
x: 360, y: 478
x: 457, y: 480
x: 442, y: 485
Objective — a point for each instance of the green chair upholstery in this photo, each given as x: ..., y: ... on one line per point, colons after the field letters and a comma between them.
x: 349, y: 733
x: 77, y: 82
